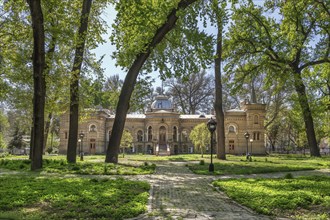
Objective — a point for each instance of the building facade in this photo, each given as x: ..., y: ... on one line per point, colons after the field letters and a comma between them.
x: 163, y: 131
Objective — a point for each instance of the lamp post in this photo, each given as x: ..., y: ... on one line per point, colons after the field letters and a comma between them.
x: 79, y: 141
x: 251, y: 140
x: 247, y: 135
x: 81, y: 135
x: 211, y: 125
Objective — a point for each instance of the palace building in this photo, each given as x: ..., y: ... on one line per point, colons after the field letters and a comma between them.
x: 164, y: 131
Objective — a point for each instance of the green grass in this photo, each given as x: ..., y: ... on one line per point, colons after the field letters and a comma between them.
x: 151, y: 158
x: 299, y: 198
x: 239, y: 164
x: 71, y: 198
x: 81, y: 167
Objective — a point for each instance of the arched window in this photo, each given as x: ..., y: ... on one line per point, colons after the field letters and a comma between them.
x: 162, y: 135
x: 150, y: 133
x: 256, y: 119
x: 92, y: 128
x: 184, y: 136
x: 175, y: 134
x: 231, y: 128
x: 139, y: 136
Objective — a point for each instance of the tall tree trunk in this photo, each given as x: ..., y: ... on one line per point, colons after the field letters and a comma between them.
x: 307, y: 114
x: 39, y: 82
x: 221, y: 149
x: 74, y: 84
x: 130, y: 80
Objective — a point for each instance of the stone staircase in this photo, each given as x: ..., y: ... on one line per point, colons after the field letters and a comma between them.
x: 163, y: 150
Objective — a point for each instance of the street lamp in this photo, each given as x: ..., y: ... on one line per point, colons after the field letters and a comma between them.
x: 247, y: 135
x: 211, y: 125
x: 81, y: 135
x: 251, y: 140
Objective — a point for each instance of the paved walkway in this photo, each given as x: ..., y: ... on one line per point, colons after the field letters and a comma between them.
x: 177, y: 193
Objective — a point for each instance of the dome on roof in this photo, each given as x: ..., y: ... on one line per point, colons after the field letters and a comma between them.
x: 161, y: 103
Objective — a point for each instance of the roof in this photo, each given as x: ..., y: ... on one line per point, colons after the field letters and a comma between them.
x: 196, y: 116
x: 135, y: 116
x: 235, y: 110
x: 161, y: 102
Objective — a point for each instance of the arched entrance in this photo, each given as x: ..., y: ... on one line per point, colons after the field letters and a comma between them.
x: 162, y: 140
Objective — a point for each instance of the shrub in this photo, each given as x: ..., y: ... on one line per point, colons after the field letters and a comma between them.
x: 201, y: 162
x: 288, y: 176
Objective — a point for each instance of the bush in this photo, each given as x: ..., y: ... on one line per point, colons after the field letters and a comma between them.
x: 201, y: 162
x: 288, y: 176
x: 4, y: 154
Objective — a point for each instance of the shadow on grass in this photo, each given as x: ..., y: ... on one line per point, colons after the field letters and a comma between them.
x: 238, y: 168
x: 74, y: 198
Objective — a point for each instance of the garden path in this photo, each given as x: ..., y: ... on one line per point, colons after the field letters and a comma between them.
x: 177, y: 193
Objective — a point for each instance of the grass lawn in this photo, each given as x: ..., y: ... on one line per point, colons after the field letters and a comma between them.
x: 298, y: 198
x: 90, y: 166
x: 47, y: 197
x: 261, y: 164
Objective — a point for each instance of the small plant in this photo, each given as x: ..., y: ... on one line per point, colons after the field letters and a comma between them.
x: 146, y: 163
x: 288, y: 176
x: 105, y: 170
x: 201, y: 162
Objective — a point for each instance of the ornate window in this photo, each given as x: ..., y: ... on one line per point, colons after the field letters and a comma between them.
x: 175, y: 134
x: 150, y: 133
x: 92, y: 128
x: 139, y: 136
x: 256, y: 119
x: 231, y: 128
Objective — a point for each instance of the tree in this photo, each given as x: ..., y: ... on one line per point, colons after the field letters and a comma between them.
x: 17, y: 140
x: 39, y: 93
x: 192, y: 95
x: 74, y: 85
x: 219, y: 12
x: 290, y: 46
x: 2, y: 141
x: 200, y: 137
x: 126, y: 141
x: 140, y: 53
x: 16, y: 48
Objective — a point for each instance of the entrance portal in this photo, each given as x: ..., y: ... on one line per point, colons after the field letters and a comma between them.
x: 92, y: 146
x: 162, y: 140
